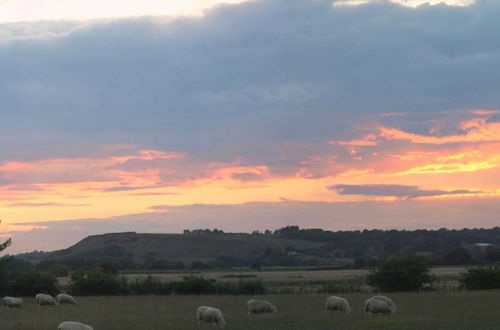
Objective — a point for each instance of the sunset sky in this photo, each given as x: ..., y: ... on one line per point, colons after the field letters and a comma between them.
x: 159, y: 116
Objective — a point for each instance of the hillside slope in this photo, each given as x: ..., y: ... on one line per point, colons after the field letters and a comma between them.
x: 180, y: 247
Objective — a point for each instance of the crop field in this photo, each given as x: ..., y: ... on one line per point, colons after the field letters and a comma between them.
x: 428, y: 310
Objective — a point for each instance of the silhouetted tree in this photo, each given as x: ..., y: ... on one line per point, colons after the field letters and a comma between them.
x: 401, y: 274
x: 459, y: 256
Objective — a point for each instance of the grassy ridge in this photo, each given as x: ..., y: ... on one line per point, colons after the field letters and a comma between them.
x: 430, y: 311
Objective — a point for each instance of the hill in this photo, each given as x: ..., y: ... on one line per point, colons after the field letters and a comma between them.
x: 287, y: 246
x: 181, y: 248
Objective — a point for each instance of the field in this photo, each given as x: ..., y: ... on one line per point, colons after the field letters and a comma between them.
x: 430, y: 310
x: 278, y: 276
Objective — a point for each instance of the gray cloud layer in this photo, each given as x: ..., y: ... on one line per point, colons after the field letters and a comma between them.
x: 394, y: 190
x: 240, y: 79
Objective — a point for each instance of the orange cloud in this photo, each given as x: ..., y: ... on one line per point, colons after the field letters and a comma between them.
x: 475, y: 130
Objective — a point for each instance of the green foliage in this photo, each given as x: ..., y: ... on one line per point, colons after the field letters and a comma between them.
x: 481, y: 278
x: 197, y: 286
x: 401, y: 274
x: 4, y: 283
x: 97, y: 282
x: 19, y: 265
x: 32, y: 282
x: 59, y: 270
x: 108, y: 266
x: 458, y: 256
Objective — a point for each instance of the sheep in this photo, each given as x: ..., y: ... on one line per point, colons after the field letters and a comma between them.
x: 72, y: 325
x: 377, y: 306
x: 12, y: 302
x: 210, y: 315
x: 257, y: 306
x: 45, y: 299
x: 64, y: 298
x: 387, y: 300
x: 334, y: 303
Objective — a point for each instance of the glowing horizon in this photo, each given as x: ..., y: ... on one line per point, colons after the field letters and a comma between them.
x: 14, y: 11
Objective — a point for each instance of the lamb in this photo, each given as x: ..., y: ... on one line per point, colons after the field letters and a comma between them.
x: 257, y: 306
x: 377, y: 306
x: 210, y: 315
x: 334, y: 303
x: 44, y: 299
x: 72, y: 325
x: 387, y: 300
x: 64, y: 298
x: 12, y: 301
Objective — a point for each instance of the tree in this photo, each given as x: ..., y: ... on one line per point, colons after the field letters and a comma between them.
x: 458, y: 256
x: 3, y: 246
x: 409, y: 273
x: 481, y: 278
x: 3, y: 262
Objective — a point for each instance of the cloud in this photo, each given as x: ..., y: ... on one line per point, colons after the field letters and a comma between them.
x: 394, y: 190
x: 285, y: 71
x: 43, y: 204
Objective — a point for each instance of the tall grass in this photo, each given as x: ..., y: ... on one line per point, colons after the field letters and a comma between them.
x: 459, y: 310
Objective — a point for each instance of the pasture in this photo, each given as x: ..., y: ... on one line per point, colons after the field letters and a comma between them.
x: 478, y: 310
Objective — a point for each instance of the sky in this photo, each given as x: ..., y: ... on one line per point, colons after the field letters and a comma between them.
x: 159, y: 116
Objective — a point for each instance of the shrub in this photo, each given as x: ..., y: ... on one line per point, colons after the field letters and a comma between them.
x: 481, y: 278
x: 197, y: 286
x: 97, y: 282
x: 409, y: 273
x: 31, y: 283
x: 59, y: 270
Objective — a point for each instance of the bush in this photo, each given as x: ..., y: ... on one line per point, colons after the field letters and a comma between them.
x: 97, y: 282
x: 59, y: 270
x: 197, y: 286
x: 401, y: 274
x: 481, y: 278
x: 31, y: 283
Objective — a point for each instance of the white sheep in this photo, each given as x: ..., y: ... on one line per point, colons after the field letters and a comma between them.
x: 257, y: 306
x: 377, y: 306
x: 334, y: 303
x: 12, y: 301
x: 64, y: 298
x: 210, y: 315
x: 45, y: 299
x: 72, y: 325
x: 387, y: 300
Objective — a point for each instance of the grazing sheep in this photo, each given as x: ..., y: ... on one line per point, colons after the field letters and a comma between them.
x: 72, y: 325
x: 257, y: 306
x: 335, y: 303
x: 64, y: 298
x: 12, y: 302
x: 210, y: 315
x: 377, y: 306
x: 45, y: 299
x: 387, y: 300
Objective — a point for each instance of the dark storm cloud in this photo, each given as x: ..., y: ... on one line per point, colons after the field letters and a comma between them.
x: 241, y: 79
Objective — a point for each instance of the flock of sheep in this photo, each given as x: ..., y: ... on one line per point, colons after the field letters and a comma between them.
x: 374, y: 305
x: 206, y: 314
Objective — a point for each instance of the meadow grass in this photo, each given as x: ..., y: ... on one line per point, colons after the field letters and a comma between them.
x: 478, y: 310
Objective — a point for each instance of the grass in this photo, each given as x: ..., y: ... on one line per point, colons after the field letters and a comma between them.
x: 458, y: 310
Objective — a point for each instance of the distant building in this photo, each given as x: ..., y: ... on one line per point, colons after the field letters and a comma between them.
x: 483, y: 245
